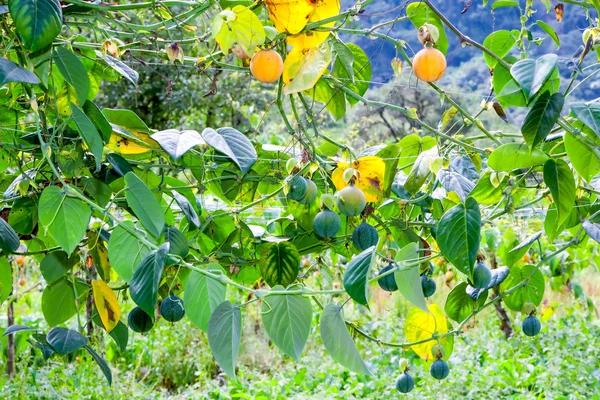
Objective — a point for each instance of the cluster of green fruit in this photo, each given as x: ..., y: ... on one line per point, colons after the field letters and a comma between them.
x: 387, y: 281
x: 171, y: 309
x: 439, y: 370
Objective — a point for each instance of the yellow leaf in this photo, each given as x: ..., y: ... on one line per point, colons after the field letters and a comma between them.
x: 325, y: 9
x: 420, y: 325
x: 302, y: 68
x: 239, y: 25
x: 290, y: 16
x: 127, y: 141
x: 371, y: 174
x: 106, y: 304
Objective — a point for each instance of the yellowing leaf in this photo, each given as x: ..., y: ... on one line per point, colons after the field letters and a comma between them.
x: 290, y: 16
x: 302, y: 68
x: 325, y: 9
x: 106, y: 304
x: 420, y: 325
x: 371, y: 174
x: 127, y: 141
x: 238, y: 25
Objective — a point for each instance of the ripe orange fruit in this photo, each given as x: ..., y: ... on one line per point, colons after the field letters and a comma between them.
x: 526, y: 258
x: 20, y: 261
x: 22, y: 282
x: 266, y: 66
x: 429, y: 64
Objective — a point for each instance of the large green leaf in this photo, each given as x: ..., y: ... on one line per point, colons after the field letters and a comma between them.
x: 542, y: 117
x: 333, y: 97
x: 357, y: 272
x: 531, y: 292
x: 589, y: 114
x: 23, y: 215
x: 511, y: 156
x: 338, y: 342
x: 187, y: 208
x: 65, y: 341
x: 203, y: 295
x: 6, y: 279
x: 532, y: 74
x: 72, y: 69
x: 88, y: 132
x: 233, y: 144
x: 410, y: 148
x: 458, y: 235
x: 287, y: 320
x: 126, y: 251
x: 361, y: 76
x: 144, y: 204
x: 408, y: 279
x: 177, y: 143
x: 38, y: 22
x: 56, y: 265
x: 516, y: 253
x: 144, y: 283
x: 419, y: 14
x: 11, y: 72
x: 499, y: 42
x: 279, y: 263
x: 459, y: 305
x: 58, y: 301
x: 551, y: 32
x: 224, y: 335
x: 420, y: 171
x: 9, y: 240
x: 584, y: 156
x: 454, y: 182
x: 65, y: 218
x: 561, y: 182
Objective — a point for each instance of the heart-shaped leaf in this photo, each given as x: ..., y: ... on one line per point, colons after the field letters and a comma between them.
x: 203, y: 295
x: 279, y: 263
x: 531, y: 292
x: 143, y: 286
x: 357, y: 272
x: 511, y: 156
x: 532, y: 74
x: 459, y: 305
x: 584, y: 156
x: 224, y: 335
x: 453, y: 182
x: 125, y: 250
x: 234, y: 145
x: 65, y: 341
x: 542, y: 117
x: 38, y: 22
x: 177, y: 143
x: 187, y: 208
x: 589, y: 114
x: 561, y: 182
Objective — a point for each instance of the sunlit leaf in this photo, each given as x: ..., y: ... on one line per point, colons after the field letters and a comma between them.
x: 420, y: 325
x: 290, y: 16
x: 371, y: 175
x: 302, y: 68
x: 238, y: 25
x: 313, y: 38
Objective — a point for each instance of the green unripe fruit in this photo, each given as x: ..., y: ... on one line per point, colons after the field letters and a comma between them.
x: 388, y: 282
x: 139, y: 321
x: 327, y: 223
x: 351, y: 201
x: 365, y: 236
x: 439, y: 369
x: 428, y: 285
x: 297, y: 187
x: 482, y: 276
x: 405, y: 383
x: 172, y: 308
x: 311, y: 192
x: 531, y: 326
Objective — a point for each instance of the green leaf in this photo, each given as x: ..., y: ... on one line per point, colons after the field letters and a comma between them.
x: 65, y: 341
x: 333, y: 98
x: 238, y: 25
x: 584, y: 156
x: 408, y: 279
x: 531, y: 292
x: 58, y: 301
x: 72, y: 69
x: 287, y: 320
x: 16, y: 329
x: 11, y: 72
x: 410, y: 148
x: 511, y: 156
x: 99, y: 190
x: 589, y: 114
x: 453, y: 182
x: 519, y: 251
x: 177, y: 143
x: 120, y: 334
x: 56, y: 265
x: 88, y: 132
x: 233, y: 144
x: 203, y: 295
x: 504, y: 3
x: 177, y: 241
x: 459, y: 305
x: 9, y: 240
x: 561, y: 182
x: 420, y: 14
x: 120, y: 165
x: 338, y: 342
x: 98, y: 119
x: 279, y: 263
x: 224, y: 335
x: 420, y: 171
x: 6, y: 279
x: 499, y: 42
x: 542, y: 117
x: 23, y: 215
x: 593, y: 230
x: 101, y: 363
x: 458, y: 235
x: 485, y: 192
x: 143, y: 203
x: 357, y: 272
x: 551, y: 32
x: 359, y: 81
x: 144, y: 283
x: 126, y: 119
x: 532, y: 74
x: 187, y: 208
x: 123, y: 70
x: 38, y: 22
x: 344, y: 56
x: 125, y: 250
x: 65, y: 218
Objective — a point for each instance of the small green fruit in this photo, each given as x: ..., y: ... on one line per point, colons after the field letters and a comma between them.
x: 351, y: 201
x: 365, y: 236
x: 482, y: 276
x: 327, y: 223
x: 439, y: 369
x: 531, y: 326
x: 428, y: 285
x: 297, y: 187
x: 405, y: 383
x: 388, y: 282
x: 311, y: 192
x: 172, y: 308
x: 139, y: 321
